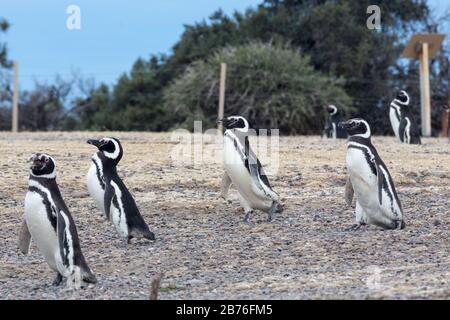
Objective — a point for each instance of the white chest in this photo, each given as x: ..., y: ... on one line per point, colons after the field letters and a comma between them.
x: 40, y: 228
x: 364, y: 181
x: 235, y: 168
x: 395, y: 122
x: 94, y: 187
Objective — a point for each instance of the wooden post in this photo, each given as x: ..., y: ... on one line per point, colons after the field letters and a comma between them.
x: 15, y: 108
x: 223, y: 72
x: 444, y: 122
x: 425, y: 91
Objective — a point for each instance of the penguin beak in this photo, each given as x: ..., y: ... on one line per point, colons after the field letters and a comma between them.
x: 94, y: 142
x: 36, y: 162
x: 344, y: 124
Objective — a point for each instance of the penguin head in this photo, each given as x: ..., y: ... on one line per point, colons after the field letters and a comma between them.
x: 42, y: 165
x: 332, y: 110
x: 356, y: 127
x: 109, y: 147
x: 402, y: 97
x: 235, y: 122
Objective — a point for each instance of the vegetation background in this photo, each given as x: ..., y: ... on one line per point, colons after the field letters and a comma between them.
x: 286, y: 60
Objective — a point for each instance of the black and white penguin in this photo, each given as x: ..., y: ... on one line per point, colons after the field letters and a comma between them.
x: 111, y: 194
x: 402, y: 121
x: 332, y: 130
x: 50, y: 225
x: 244, y: 170
x: 377, y: 201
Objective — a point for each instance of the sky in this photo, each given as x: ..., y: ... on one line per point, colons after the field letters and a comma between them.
x: 113, y: 33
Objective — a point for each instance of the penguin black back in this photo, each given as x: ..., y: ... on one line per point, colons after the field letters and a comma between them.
x: 119, y: 204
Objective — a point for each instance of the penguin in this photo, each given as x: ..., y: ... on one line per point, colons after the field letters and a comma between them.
x: 110, y: 193
x: 402, y: 121
x: 332, y: 130
x: 377, y: 202
x: 243, y: 169
x: 50, y: 225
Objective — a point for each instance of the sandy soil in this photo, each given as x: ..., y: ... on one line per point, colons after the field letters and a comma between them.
x: 204, y: 248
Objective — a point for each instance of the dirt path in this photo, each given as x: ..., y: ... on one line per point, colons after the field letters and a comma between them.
x: 204, y: 248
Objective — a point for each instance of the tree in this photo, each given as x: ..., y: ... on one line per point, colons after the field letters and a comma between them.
x: 43, y: 108
x: 5, y: 79
x: 332, y: 33
x: 274, y: 87
x: 4, y: 62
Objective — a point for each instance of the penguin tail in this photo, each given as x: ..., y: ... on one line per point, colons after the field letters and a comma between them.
x: 144, y: 232
x: 88, y: 277
x: 279, y: 208
x: 148, y: 235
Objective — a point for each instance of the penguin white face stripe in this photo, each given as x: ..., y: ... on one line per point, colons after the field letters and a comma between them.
x: 334, y: 110
x: 246, y: 125
x: 51, y: 175
x: 367, y: 134
x: 407, y: 99
x: 115, y: 154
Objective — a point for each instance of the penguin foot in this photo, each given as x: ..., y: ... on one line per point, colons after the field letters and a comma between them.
x: 356, y: 226
x: 126, y: 242
x: 247, y: 216
x: 400, y: 224
x: 225, y: 199
x: 279, y: 208
x: 58, y: 280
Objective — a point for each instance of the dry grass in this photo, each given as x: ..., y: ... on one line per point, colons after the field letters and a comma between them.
x: 203, y: 247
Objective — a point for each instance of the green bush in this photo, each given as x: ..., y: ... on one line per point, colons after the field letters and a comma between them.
x: 272, y: 86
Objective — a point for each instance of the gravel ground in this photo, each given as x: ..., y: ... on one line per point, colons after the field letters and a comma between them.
x: 204, y: 248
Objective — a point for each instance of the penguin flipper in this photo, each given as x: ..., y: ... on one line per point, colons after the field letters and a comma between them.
x: 381, y: 181
x: 257, y: 173
x: 401, y: 130
x: 349, y: 192
x: 225, y: 185
x: 24, y: 238
x: 109, y: 194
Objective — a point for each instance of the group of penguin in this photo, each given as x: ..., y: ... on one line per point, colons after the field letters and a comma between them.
x: 400, y: 116
x: 49, y: 223
x: 48, y: 220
